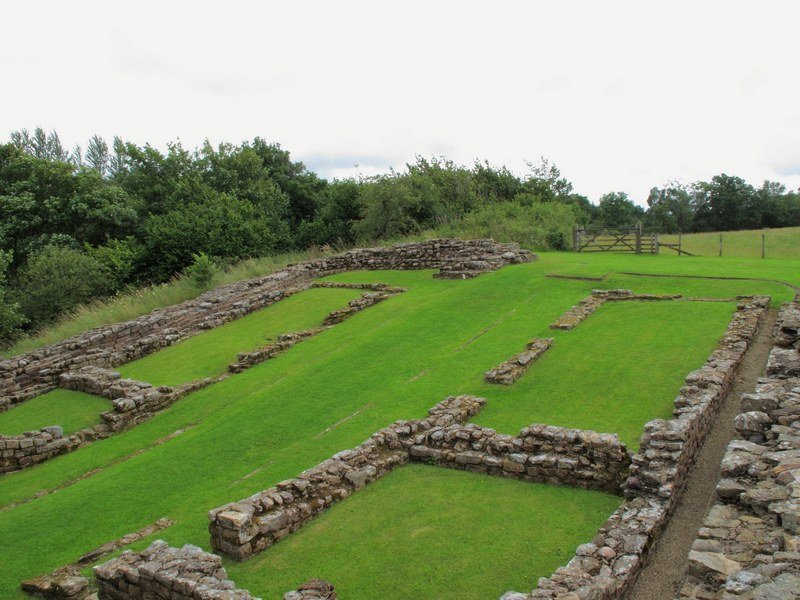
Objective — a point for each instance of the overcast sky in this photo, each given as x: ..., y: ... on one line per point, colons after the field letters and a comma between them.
x: 620, y: 95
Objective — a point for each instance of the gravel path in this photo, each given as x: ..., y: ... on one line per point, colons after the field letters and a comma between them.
x: 662, y: 577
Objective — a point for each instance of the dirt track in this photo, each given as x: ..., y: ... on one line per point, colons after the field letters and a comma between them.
x: 663, y: 575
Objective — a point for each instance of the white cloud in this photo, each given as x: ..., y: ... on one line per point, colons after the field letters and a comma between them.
x: 621, y: 95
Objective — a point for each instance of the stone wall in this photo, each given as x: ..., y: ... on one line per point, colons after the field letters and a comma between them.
x: 245, y: 360
x: 244, y: 528
x: 540, y: 453
x: 34, y: 373
x: 667, y: 447
x: 578, y: 313
x: 749, y: 545
x: 509, y: 371
x: 364, y: 301
x: 605, y: 567
x: 33, y: 447
x: 133, y: 401
x: 160, y: 571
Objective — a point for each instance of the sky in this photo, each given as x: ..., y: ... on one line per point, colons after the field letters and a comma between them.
x: 621, y: 96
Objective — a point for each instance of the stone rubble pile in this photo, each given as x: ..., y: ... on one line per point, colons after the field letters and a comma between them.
x: 354, y: 306
x: 749, y: 545
x: 241, y: 529
x: 315, y: 589
x: 160, y: 571
x: 34, y: 373
x: 578, y: 313
x: 245, y: 360
x: 605, y: 568
x: 540, y: 453
x: 512, y: 369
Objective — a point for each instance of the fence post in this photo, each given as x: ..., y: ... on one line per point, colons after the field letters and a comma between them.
x: 679, y: 245
x: 638, y: 238
x: 575, y: 239
x: 764, y: 243
x: 720, y: 244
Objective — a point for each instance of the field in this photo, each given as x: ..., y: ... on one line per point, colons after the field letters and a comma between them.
x: 422, y: 531
x: 782, y: 243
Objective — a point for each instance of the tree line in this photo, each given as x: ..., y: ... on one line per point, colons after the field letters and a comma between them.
x: 81, y: 224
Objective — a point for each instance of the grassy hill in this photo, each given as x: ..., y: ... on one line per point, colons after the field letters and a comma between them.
x: 422, y: 531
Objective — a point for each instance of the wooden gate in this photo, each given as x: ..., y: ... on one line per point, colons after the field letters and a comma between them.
x: 614, y: 239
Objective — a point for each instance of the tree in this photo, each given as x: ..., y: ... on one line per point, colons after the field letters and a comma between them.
x: 617, y: 210
x: 670, y: 209
x: 720, y: 204
x: 219, y: 226
x: 11, y: 318
x: 57, y: 279
x: 97, y: 156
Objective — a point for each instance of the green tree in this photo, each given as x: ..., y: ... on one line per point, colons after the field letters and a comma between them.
x: 11, y: 319
x: 97, y: 156
x: 617, y: 209
x: 219, y: 226
x: 55, y: 280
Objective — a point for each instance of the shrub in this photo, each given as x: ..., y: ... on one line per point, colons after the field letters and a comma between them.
x: 540, y: 226
x: 57, y: 279
x: 202, y: 269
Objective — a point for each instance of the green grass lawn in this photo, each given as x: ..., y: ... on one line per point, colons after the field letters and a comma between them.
x: 627, y: 358
x: 68, y: 408
x: 210, y: 353
x: 426, y: 532
x: 392, y: 361
x: 783, y: 242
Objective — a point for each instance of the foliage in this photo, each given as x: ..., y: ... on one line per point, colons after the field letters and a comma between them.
x: 220, y: 226
x: 10, y: 316
x: 202, y: 270
x: 142, y: 212
x: 540, y: 226
x: 55, y: 280
x: 618, y: 210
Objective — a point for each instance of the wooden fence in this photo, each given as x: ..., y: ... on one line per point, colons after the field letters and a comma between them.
x: 630, y: 240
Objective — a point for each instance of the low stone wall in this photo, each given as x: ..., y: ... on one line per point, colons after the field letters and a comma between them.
x: 34, y: 373
x: 245, y: 360
x: 133, y: 401
x: 160, y: 571
x: 667, y: 447
x: 540, y: 453
x: 605, y: 568
x: 68, y: 582
x: 33, y: 447
x: 749, y: 545
x: 578, y: 313
x: 354, y: 306
x: 244, y: 528
x: 509, y: 371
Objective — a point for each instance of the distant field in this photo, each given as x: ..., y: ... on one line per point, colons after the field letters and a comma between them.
x: 780, y: 243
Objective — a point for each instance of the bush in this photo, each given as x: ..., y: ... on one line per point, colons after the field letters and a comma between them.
x: 540, y: 226
x: 10, y: 317
x: 57, y: 279
x: 202, y: 269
